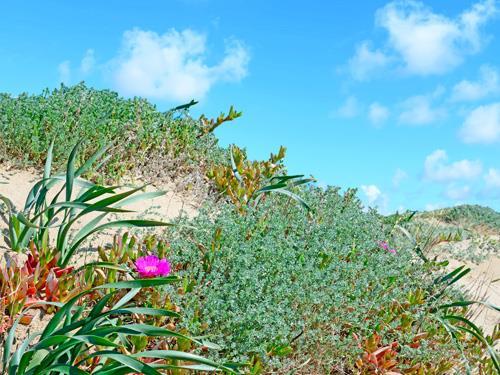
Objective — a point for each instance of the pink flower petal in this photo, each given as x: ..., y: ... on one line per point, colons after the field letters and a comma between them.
x: 152, y: 266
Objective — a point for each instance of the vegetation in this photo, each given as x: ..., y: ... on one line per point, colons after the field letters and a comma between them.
x: 276, y: 285
x: 468, y: 232
x: 83, y: 340
x: 246, y: 182
x: 141, y: 136
x: 285, y: 277
x: 467, y: 216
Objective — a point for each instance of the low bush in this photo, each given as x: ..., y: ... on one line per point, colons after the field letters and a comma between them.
x: 280, y: 283
x: 245, y: 183
x: 145, y: 139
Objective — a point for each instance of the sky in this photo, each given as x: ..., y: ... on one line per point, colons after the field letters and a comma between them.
x: 400, y: 99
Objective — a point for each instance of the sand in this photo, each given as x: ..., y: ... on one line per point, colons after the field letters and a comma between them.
x: 482, y: 284
x: 15, y: 184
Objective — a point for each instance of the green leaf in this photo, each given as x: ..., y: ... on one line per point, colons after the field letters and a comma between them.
x: 107, y: 265
x: 180, y: 356
x: 48, y: 162
x: 468, y: 303
x: 70, y: 171
x: 63, y: 261
x: 90, y: 161
x: 139, y: 283
x: 140, y: 197
x: 128, y: 361
x: 109, y: 201
x: 63, y: 369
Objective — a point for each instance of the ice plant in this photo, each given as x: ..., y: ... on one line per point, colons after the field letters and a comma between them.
x: 152, y: 266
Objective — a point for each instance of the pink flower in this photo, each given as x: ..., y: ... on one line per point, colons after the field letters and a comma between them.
x: 152, y: 266
x: 384, y: 245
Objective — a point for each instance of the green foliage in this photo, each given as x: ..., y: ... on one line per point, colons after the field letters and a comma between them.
x: 209, y: 125
x: 142, y: 135
x: 39, y: 214
x: 466, y: 232
x: 83, y: 339
x: 468, y: 216
x: 279, y: 287
x: 277, y: 284
x: 246, y: 182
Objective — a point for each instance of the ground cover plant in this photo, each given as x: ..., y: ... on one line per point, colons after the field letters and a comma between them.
x: 83, y: 340
x: 279, y: 288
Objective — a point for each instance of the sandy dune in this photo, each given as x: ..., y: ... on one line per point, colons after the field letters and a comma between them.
x: 483, y: 284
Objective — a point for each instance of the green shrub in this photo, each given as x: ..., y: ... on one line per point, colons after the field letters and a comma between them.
x: 245, y: 183
x: 468, y: 216
x: 278, y: 282
x: 141, y: 134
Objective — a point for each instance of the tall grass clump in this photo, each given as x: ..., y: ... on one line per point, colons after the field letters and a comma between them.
x: 145, y: 140
x: 279, y: 288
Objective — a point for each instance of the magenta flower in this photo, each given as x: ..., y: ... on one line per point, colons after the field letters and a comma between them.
x: 152, y: 266
x: 384, y: 245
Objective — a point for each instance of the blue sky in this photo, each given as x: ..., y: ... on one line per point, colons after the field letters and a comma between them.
x: 400, y: 99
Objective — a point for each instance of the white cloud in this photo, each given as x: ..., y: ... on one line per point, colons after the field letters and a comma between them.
x: 437, y: 169
x: 419, y: 109
x: 375, y: 197
x: 492, y: 178
x: 399, y: 176
x: 349, y: 109
x: 482, y: 125
x: 377, y: 113
x: 172, y: 66
x: 430, y: 43
x: 372, y: 193
x: 88, y: 62
x: 457, y: 192
x: 366, y: 61
x: 64, y: 70
x: 488, y: 84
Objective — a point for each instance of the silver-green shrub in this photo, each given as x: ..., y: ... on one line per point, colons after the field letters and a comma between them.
x: 280, y: 281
